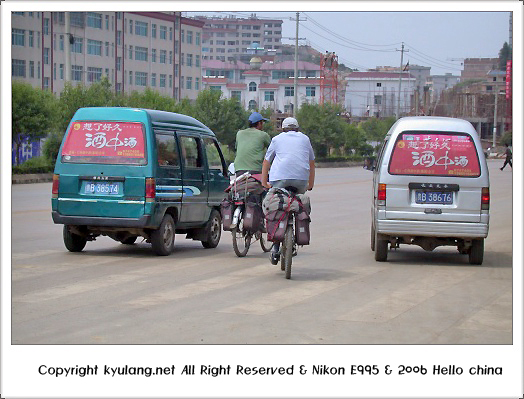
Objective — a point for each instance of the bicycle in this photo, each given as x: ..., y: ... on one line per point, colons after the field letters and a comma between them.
x: 290, y: 218
x: 247, y: 221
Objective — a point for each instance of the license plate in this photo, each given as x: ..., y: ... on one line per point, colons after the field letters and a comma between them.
x: 433, y: 197
x: 97, y: 188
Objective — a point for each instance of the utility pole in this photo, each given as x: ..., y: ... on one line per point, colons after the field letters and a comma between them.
x: 400, y: 78
x: 295, y: 80
x: 495, y: 119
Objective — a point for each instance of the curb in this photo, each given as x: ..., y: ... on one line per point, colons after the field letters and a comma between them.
x: 32, y: 178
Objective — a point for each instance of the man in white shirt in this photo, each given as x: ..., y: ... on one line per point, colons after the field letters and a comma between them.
x: 291, y: 159
x: 292, y: 162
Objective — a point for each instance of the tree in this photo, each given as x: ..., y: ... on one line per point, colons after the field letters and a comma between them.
x: 33, y: 115
x: 150, y: 99
x: 505, y: 54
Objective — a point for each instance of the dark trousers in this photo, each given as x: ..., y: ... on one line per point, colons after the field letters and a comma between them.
x: 508, y: 160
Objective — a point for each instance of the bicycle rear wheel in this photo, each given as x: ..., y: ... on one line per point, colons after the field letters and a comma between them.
x: 264, y: 243
x: 241, y: 239
x: 287, y: 251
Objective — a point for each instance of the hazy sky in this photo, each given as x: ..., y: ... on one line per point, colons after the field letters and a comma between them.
x: 368, y: 39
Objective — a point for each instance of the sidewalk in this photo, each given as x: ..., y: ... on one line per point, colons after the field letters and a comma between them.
x: 32, y: 178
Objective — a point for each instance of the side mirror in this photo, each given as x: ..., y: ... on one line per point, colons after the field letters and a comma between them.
x: 231, y: 169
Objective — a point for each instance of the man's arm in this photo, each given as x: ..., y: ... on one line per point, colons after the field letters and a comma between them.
x: 311, y: 182
x: 265, y: 173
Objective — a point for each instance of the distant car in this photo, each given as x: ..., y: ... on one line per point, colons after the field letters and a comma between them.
x: 430, y: 188
x: 126, y: 172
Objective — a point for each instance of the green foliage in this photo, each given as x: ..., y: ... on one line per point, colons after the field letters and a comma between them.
x: 507, y: 138
x: 34, y: 165
x: 150, y: 99
x: 375, y: 129
x: 505, y: 54
x: 33, y: 113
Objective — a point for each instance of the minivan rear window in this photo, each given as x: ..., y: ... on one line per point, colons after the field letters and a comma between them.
x: 434, y: 154
x: 105, y: 142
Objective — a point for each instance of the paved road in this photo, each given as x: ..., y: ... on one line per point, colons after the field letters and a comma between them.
x: 116, y: 294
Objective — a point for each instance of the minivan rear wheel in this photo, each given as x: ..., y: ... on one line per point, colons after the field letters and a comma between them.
x: 476, y: 252
x: 163, y: 238
x: 213, y: 230
x: 381, y: 248
x: 73, y: 242
x: 372, y: 237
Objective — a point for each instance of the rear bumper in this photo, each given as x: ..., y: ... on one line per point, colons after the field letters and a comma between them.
x: 432, y: 229
x: 142, y: 222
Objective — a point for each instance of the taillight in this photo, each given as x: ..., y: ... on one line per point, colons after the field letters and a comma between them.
x: 56, y: 183
x: 381, y: 195
x: 150, y: 189
x: 485, y: 198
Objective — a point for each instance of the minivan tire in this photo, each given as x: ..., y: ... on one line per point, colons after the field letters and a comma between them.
x: 476, y: 252
x: 163, y: 238
x: 213, y: 230
x: 73, y: 242
x: 381, y: 248
x: 372, y: 237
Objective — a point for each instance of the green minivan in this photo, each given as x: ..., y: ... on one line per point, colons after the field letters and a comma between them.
x: 126, y: 172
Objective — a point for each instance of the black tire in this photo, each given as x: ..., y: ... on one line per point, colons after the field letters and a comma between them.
x: 73, y: 242
x: 476, y: 252
x: 381, y: 248
x: 372, y: 237
x: 213, y: 230
x: 241, y: 239
x: 163, y: 238
x: 264, y: 243
x: 129, y: 240
x: 287, y: 251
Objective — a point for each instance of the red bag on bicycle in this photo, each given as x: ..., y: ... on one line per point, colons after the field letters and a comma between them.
x: 253, y: 216
x: 302, y: 221
x: 276, y: 223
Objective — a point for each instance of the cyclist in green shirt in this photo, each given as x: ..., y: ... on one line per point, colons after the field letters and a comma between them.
x: 251, y: 145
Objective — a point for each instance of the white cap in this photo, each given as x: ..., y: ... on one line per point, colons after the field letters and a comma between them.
x: 289, y: 122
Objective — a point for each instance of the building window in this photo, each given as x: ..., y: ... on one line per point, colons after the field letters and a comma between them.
x: 163, y: 32
x: 61, y: 69
x: 77, y: 19
x: 176, y: 46
x: 118, y: 63
x: 18, y: 37
x: 130, y: 77
x: 197, y: 83
x: 189, y: 37
x: 76, y: 73
x: 153, y: 55
x: 153, y: 79
x: 163, y: 54
x: 107, y: 49
x: 310, y: 91
x: 162, y: 80
x: 170, y: 81
x: 170, y: 57
x: 107, y: 22
x: 54, y: 71
x: 94, y: 47
x: 379, y: 84
x: 197, y: 39
x: 171, y: 34
x: 176, y: 70
x: 252, y: 86
x: 141, y: 53
x: 94, y: 20
x: 182, y: 36
x: 269, y: 96
x: 237, y: 94
x: 282, y: 74
x: 377, y: 100
x: 141, y: 79
x: 189, y: 60
x: 46, y: 56
x: 38, y: 70
x: 289, y: 91
x: 46, y: 26
x: 61, y: 43
x: 31, y: 39
x: 46, y: 83
x: 77, y: 45
x: 32, y: 69
x: 252, y: 105
x: 141, y: 28
x: 153, y: 31
x: 94, y: 74
x: 18, y: 68
x: 130, y: 26
x: 189, y: 83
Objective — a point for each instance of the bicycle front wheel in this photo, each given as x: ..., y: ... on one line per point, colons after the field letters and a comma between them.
x: 241, y: 239
x: 287, y: 251
x: 264, y: 243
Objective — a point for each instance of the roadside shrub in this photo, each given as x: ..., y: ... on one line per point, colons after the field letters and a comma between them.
x: 507, y: 138
x: 347, y: 158
x: 34, y: 165
x: 52, y: 146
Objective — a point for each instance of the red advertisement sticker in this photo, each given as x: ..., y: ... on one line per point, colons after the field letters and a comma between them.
x: 105, y: 139
x: 435, y: 155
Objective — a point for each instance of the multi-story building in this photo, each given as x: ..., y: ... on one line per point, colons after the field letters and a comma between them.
x: 134, y: 50
x: 375, y: 93
x: 477, y: 68
x: 231, y: 38
x: 438, y: 83
x: 264, y: 85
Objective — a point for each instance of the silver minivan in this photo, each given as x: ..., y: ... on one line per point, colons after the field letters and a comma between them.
x: 430, y: 188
